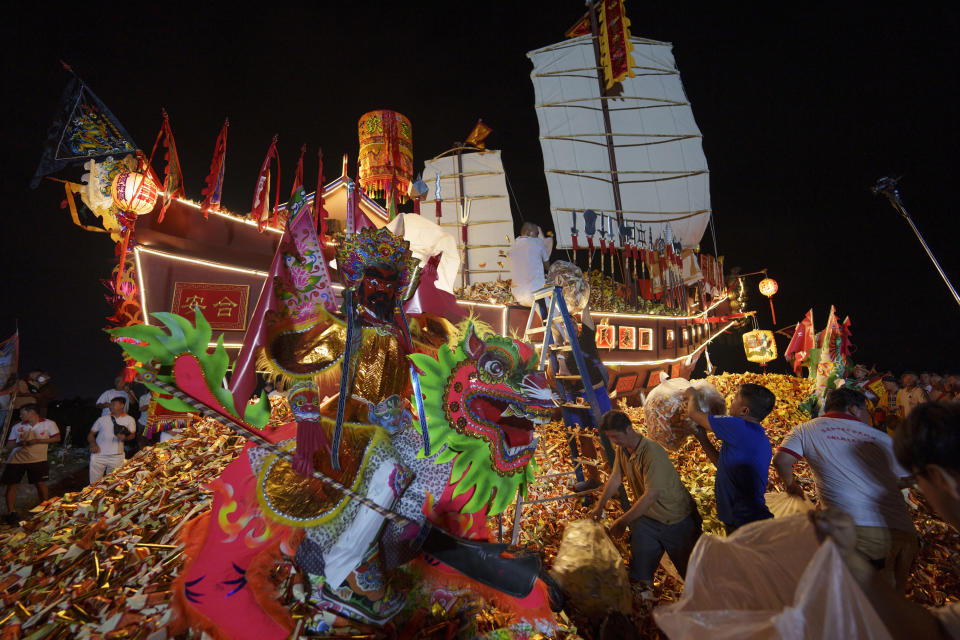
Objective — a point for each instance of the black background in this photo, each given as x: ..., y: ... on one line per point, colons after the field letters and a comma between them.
x: 802, y: 107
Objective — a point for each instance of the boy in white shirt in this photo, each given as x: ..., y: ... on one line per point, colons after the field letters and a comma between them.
x: 32, y: 436
x: 106, y: 439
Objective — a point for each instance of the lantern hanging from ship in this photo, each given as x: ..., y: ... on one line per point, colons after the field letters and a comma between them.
x: 760, y: 346
x: 134, y: 193
x: 386, y: 156
x: 768, y: 287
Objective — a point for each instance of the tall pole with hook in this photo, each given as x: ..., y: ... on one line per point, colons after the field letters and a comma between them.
x: 888, y: 187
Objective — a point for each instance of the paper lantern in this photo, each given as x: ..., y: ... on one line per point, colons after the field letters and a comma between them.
x: 759, y: 346
x: 768, y: 287
x: 386, y: 154
x: 134, y: 192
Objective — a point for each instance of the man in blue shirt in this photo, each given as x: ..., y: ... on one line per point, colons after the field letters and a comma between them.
x: 743, y: 460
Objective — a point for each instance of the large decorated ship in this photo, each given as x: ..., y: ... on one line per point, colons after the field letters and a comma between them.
x: 629, y: 200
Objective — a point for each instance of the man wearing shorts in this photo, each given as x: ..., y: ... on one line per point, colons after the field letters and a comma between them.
x: 32, y: 435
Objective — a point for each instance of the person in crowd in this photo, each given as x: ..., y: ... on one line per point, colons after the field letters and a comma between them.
x: 953, y: 387
x: 925, y: 382
x: 271, y: 390
x: 861, y: 373
x: 106, y: 439
x: 37, y: 389
x: 887, y: 415
x: 928, y: 444
x: 28, y: 388
x: 911, y: 395
x: 143, y: 403
x: 528, y: 257
x: 940, y: 390
x: 121, y: 389
x: 744, y: 457
x: 855, y: 470
x: 32, y: 435
x: 662, y: 516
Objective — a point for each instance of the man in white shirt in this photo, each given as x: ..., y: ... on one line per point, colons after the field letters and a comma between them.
x: 855, y: 471
x: 120, y: 390
x: 32, y: 435
x: 106, y: 439
x: 927, y: 443
x: 528, y: 256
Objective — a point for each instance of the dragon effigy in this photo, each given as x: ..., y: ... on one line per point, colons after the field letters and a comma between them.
x: 396, y: 467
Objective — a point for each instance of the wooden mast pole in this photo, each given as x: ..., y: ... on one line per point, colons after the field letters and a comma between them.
x: 611, y: 153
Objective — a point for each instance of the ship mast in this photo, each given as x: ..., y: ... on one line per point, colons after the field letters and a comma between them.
x: 592, y: 8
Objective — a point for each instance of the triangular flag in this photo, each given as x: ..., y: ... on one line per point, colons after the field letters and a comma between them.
x: 82, y: 128
x: 260, y: 211
x: 172, y: 175
x: 478, y: 135
x: 214, y: 189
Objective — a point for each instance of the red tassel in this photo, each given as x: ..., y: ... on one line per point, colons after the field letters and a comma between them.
x: 310, y: 438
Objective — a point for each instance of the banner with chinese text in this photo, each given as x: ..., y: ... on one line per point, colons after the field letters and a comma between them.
x: 223, y: 305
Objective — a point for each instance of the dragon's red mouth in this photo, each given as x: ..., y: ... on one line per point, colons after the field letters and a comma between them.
x: 514, y: 419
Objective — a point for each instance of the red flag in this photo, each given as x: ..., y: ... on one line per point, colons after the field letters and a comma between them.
x: 298, y: 174
x: 172, y: 175
x: 260, y: 210
x: 214, y: 189
x: 581, y: 28
x: 801, y: 342
x: 845, y: 338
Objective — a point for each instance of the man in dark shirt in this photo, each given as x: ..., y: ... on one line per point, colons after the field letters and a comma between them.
x: 744, y: 459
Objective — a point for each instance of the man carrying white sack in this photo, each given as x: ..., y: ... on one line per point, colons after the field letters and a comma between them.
x: 855, y: 471
x: 528, y: 256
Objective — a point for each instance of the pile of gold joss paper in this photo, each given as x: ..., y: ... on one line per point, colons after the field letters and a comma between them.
x: 99, y: 563
x: 493, y: 292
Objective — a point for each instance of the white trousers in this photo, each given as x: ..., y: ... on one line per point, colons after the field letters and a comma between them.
x: 102, y: 464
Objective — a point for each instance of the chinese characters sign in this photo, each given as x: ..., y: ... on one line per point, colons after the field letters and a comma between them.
x: 223, y: 305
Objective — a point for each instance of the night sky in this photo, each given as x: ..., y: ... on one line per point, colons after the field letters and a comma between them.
x: 800, y: 113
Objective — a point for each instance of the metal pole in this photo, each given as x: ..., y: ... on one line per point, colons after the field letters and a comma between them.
x: 611, y: 152
x: 465, y: 271
x: 888, y: 187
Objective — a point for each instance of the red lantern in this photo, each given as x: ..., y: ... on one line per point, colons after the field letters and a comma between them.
x: 768, y: 287
x: 134, y: 192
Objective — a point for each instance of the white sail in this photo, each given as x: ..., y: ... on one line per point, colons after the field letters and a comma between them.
x: 661, y: 167
x: 485, y: 211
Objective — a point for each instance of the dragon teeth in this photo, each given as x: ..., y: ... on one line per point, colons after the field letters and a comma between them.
x: 514, y: 410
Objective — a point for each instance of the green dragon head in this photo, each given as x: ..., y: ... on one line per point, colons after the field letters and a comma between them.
x: 483, y: 402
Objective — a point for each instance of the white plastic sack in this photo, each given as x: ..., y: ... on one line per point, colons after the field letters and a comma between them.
x: 782, y: 504
x: 665, y: 410
x: 575, y: 287
x: 770, y: 579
